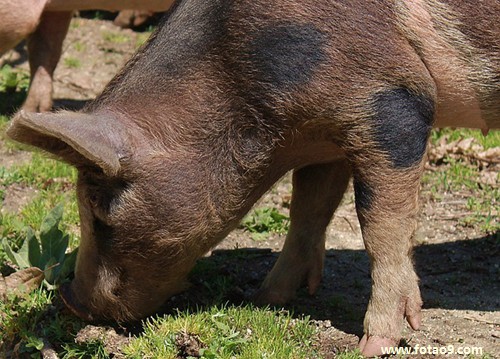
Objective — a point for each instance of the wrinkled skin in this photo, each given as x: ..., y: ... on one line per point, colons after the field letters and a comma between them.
x: 199, y: 124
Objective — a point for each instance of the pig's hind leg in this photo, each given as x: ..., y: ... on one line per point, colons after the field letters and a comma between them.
x: 387, y: 167
x: 317, y: 192
x: 44, y: 49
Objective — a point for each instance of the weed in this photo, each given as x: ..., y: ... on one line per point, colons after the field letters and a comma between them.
x: 12, y: 80
x: 13, y: 87
x: 350, y: 355
x: 115, y: 38
x: 263, y: 221
x: 75, y: 23
x: 27, y: 320
x: 48, y: 252
x: 80, y: 47
x: 72, y: 62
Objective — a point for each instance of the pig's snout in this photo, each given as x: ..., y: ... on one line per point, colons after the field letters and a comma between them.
x: 73, y: 303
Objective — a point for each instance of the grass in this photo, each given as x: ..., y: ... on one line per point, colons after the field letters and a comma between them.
x: 80, y: 47
x: 115, y: 37
x: 142, y: 38
x: 51, y: 182
x: 14, y: 85
x: 72, y: 63
x: 29, y: 319
x: 460, y: 175
x: 228, y: 332
x: 489, y: 141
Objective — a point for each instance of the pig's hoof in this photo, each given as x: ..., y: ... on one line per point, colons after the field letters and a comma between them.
x: 374, y: 345
x: 413, y: 312
x: 414, y: 319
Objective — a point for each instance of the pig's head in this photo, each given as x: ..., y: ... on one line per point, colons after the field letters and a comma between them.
x: 142, y: 213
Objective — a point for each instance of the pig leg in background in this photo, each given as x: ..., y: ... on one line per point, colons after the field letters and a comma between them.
x: 132, y: 18
x: 317, y: 192
x: 44, y: 48
x: 387, y: 172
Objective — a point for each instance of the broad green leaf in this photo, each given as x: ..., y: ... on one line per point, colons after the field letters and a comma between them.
x: 34, y: 254
x: 13, y: 256
x: 51, y: 269
x: 54, y: 242
x: 68, y: 265
x: 23, y: 253
x: 51, y: 221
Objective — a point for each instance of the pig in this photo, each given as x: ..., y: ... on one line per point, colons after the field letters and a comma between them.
x: 45, y: 24
x: 225, y: 98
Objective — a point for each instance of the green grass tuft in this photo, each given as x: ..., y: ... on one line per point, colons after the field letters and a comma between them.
x: 72, y: 62
x: 227, y: 332
x: 115, y: 38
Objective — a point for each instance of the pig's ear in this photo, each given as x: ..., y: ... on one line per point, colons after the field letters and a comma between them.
x: 77, y: 138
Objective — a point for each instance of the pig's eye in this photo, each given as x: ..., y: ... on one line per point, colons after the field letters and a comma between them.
x: 102, y: 194
x: 98, y: 199
x: 94, y: 200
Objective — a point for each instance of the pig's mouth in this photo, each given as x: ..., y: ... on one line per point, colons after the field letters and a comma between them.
x: 73, y: 304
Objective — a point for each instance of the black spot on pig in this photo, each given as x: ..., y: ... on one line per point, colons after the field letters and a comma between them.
x: 286, y: 55
x: 402, y: 122
x: 363, y: 195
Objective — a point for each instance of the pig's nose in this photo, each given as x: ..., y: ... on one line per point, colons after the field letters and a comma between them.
x: 73, y: 304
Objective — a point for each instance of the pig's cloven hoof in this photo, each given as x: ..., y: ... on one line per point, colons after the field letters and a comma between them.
x: 73, y: 304
x: 371, y: 346
x: 414, y: 317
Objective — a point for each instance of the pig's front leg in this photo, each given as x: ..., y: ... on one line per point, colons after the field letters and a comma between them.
x: 44, y: 48
x: 387, y: 171
x: 317, y: 192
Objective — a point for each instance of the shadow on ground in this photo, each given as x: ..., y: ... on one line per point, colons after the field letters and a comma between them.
x: 464, y: 274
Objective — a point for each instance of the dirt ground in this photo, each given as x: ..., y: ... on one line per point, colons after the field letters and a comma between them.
x: 459, y: 267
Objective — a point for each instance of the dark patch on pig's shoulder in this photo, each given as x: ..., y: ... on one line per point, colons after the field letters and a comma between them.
x: 286, y: 54
x: 363, y: 195
x: 401, y: 124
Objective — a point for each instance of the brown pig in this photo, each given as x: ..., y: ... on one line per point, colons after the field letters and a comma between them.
x: 226, y: 97
x: 45, y: 24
